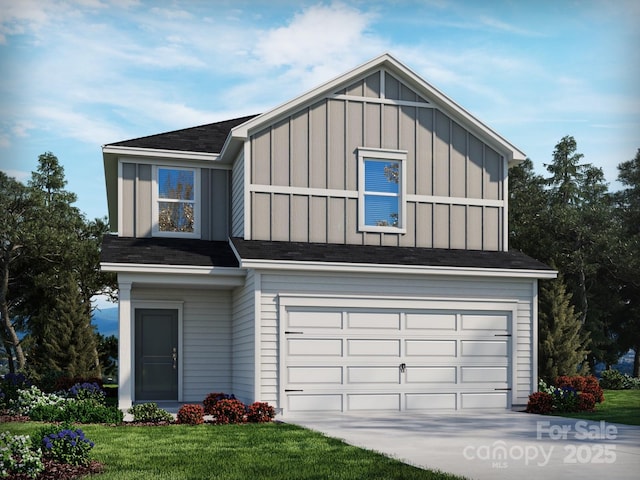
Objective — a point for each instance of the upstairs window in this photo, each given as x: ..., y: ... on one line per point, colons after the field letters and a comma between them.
x: 176, y: 209
x: 381, y: 190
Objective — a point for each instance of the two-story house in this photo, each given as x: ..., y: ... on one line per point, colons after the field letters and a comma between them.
x: 344, y: 251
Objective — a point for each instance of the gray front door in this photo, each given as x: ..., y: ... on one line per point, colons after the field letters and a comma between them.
x: 156, y: 347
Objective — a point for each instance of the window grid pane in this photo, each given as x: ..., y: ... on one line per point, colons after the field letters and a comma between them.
x: 382, y: 192
x: 176, y: 184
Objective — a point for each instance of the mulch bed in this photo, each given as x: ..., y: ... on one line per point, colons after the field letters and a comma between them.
x: 61, y: 471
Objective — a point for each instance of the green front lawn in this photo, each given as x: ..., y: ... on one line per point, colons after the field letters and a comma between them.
x: 619, y: 406
x: 260, y: 451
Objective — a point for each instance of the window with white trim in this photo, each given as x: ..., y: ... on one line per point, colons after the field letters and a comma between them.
x: 175, y: 202
x: 381, y: 190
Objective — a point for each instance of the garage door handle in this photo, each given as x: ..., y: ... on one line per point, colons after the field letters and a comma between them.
x: 293, y: 390
x: 502, y: 335
x: 288, y: 332
x: 403, y: 367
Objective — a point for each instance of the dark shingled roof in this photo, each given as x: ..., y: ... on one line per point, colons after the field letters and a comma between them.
x: 167, y: 251
x: 366, y: 254
x: 208, y: 138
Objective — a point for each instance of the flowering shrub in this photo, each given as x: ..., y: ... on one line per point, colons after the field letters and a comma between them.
x: 615, y: 380
x: 10, y: 385
x: 213, y: 398
x: 260, y: 412
x: 540, y: 402
x: 33, y: 397
x: 592, y: 386
x: 87, y: 391
x: 578, y: 383
x: 191, y: 414
x: 565, y: 399
x: 229, y: 411
x: 67, y: 446
x: 66, y: 383
x: 150, y: 412
x: 16, y: 456
x: 587, y: 384
x: 586, y: 402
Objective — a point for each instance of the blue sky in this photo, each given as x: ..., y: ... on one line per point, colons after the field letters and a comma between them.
x: 78, y: 74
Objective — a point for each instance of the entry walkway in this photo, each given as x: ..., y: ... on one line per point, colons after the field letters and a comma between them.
x: 491, y: 445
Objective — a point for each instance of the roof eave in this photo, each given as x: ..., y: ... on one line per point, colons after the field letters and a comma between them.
x: 344, y: 267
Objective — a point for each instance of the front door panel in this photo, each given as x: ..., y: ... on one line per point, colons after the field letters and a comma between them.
x: 156, y: 344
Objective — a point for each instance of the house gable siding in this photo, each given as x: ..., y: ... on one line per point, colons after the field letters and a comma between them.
x: 137, y: 201
x: 304, y: 178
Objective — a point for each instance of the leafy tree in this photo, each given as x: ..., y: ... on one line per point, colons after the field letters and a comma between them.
x: 562, y: 341
x: 51, y: 254
x: 16, y: 232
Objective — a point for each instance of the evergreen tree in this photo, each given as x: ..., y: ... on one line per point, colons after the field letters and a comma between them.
x: 627, y: 324
x: 562, y: 342
x: 64, y: 341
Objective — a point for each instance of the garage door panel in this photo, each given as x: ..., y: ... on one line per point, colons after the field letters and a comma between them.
x: 431, y: 321
x: 484, y: 374
x: 314, y: 347
x: 430, y: 375
x: 314, y: 375
x: 359, y: 359
x: 430, y: 401
x: 374, y: 320
x: 314, y: 403
x: 430, y: 348
x: 373, y: 375
x: 313, y: 319
x: 364, y: 401
x: 485, y: 322
x: 484, y: 400
x: 484, y: 348
x: 372, y: 347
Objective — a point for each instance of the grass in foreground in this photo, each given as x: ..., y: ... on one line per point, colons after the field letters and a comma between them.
x: 259, y: 451
x: 619, y: 406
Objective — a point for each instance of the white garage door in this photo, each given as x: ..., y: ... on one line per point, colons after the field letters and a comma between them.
x: 382, y: 359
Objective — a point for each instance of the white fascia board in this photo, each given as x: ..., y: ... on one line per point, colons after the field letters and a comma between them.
x: 172, y: 269
x: 158, y: 153
x: 178, y: 280
x: 369, y: 268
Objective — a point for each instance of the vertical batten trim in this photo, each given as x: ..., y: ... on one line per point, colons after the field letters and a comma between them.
x: 247, y: 174
x: 257, y: 345
x: 534, y: 336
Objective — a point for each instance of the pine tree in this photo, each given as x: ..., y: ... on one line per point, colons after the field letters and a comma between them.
x: 562, y: 341
x: 64, y: 342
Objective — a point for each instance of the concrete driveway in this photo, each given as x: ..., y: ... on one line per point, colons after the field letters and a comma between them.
x: 491, y: 445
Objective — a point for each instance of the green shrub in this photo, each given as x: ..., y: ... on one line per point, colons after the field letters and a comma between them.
x: 615, y: 380
x: 150, y: 412
x: 565, y: 399
x: 66, y: 445
x: 79, y: 411
x: 16, y: 456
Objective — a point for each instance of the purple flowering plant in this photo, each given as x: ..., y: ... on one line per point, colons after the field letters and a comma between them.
x: 86, y: 390
x: 67, y: 446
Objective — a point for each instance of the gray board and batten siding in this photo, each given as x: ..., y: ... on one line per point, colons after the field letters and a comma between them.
x: 304, y: 179
x: 137, y: 197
